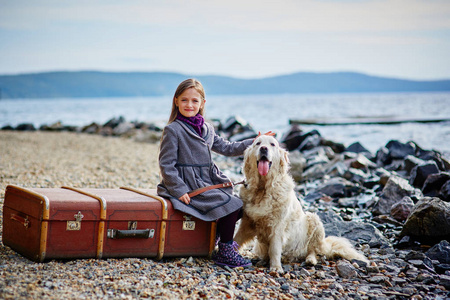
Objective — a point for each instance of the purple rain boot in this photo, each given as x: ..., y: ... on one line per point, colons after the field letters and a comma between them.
x: 227, y: 255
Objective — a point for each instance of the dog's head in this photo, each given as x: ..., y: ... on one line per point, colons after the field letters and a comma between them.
x: 265, y: 156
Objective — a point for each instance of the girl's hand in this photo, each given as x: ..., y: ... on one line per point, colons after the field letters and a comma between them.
x: 185, y: 199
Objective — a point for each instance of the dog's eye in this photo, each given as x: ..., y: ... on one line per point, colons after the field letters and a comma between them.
x: 272, y: 144
x: 258, y: 143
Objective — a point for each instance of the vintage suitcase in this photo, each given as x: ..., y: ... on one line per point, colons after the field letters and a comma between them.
x: 67, y: 223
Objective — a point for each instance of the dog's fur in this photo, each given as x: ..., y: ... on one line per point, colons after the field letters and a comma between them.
x: 274, y: 215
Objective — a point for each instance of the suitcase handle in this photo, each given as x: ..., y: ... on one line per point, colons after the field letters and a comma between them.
x: 137, y: 233
x: 24, y: 221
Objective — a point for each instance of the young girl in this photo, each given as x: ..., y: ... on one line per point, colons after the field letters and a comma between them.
x: 186, y: 164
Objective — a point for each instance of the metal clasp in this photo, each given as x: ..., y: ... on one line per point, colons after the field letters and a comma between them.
x: 75, y: 225
x: 188, y: 224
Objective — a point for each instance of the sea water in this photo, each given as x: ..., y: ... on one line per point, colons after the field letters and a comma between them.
x: 263, y: 112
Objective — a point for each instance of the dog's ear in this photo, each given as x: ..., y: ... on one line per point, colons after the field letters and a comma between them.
x: 247, y: 158
x: 284, y: 159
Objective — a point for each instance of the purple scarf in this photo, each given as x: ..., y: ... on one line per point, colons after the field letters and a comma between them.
x: 196, y: 122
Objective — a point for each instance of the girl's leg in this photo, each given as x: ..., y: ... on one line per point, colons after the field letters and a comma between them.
x: 226, y: 226
x: 228, y: 254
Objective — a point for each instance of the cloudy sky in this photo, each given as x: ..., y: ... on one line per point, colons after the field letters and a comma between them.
x: 246, y: 38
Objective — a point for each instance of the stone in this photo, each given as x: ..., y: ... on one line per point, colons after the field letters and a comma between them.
x: 444, y: 193
x: 91, y: 128
x: 382, y: 157
x: 123, y: 128
x: 356, y: 147
x: 292, y: 138
x: 310, y: 141
x: 297, y: 164
x: 400, y: 150
x: 434, y: 183
x: 420, y: 173
x: 402, y: 209
x: 440, y: 252
x: 246, y: 134
x: 114, y: 122
x: 395, y: 189
x: 429, y: 221
x: 362, y: 162
x: 25, y: 127
x: 358, y: 232
x: 410, y: 162
x: 345, y: 269
x: 233, y: 125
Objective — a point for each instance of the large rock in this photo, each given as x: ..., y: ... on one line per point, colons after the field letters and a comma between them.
x: 429, y: 221
x: 25, y: 127
x: 402, y: 209
x: 357, y: 232
x: 445, y: 191
x: 433, y: 184
x: 440, y: 252
x: 400, y: 150
x: 114, y: 122
x: 420, y: 173
x: 395, y: 189
x: 357, y: 148
x: 297, y: 164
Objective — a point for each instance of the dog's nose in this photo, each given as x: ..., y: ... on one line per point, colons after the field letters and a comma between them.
x: 263, y: 150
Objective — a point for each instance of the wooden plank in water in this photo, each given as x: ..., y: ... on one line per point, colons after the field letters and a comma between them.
x: 381, y: 120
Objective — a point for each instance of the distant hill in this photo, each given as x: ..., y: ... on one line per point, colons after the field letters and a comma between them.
x: 131, y: 84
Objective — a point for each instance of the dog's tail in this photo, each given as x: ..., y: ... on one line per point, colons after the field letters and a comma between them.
x: 334, y: 246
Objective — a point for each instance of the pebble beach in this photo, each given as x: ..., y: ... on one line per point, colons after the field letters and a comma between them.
x: 54, y: 159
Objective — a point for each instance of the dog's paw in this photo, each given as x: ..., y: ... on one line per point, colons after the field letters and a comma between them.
x: 277, y: 269
x: 311, y: 260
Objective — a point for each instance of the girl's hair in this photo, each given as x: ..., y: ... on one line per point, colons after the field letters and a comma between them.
x: 186, y: 84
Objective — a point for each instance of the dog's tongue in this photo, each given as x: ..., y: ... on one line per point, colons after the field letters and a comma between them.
x: 263, y: 167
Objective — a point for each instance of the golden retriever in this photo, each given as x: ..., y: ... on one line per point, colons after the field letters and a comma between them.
x: 274, y: 215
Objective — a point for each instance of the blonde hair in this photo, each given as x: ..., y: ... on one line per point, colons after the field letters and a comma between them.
x: 186, y: 84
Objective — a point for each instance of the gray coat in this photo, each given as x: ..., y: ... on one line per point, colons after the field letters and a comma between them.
x: 186, y: 164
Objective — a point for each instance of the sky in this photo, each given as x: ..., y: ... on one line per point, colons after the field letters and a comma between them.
x: 407, y: 39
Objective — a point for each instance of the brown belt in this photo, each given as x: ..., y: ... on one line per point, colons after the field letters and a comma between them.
x: 196, y: 192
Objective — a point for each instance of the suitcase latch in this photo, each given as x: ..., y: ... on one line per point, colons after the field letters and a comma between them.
x: 188, y: 224
x: 75, y: 225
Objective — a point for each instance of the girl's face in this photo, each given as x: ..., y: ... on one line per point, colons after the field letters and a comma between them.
x: 190, y: 102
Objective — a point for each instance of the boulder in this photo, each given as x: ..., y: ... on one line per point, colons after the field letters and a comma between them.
x: 434, y: 183
x: 297, y: 164
x: 398, y: 150
x: 395, y: 189
x: 91, y: 128
x: 440, y: 252
x: 234, y: 124
x: 114, y: 122
x: 310, y: 140
x: 357, y: 148
x: 25, y: 127
x: 444, y: 193
x: 147, y: 136
x: 429, y: 221
x: 411, y: 162
x: 420, y: 173
x: 357, y: 232
x: 292, y: 138
x: 123, y: 128
x: 402, y: 209
x: 247, y: 134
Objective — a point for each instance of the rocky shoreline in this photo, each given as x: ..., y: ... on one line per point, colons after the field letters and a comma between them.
x: 393, y: 205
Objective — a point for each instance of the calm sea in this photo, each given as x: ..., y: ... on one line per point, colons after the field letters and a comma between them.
x: 263, y: 112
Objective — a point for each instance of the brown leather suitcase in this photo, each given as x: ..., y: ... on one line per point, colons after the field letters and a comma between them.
x: 67, y: 223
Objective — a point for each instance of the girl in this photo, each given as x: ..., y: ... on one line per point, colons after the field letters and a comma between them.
x: 185, y: 163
